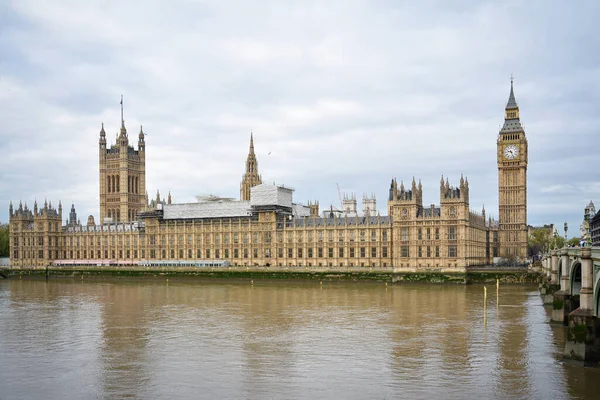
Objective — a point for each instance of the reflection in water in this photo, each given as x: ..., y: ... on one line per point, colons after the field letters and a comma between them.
x: 202, y: 339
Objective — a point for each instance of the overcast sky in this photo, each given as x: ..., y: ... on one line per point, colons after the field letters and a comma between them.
x: 336, y: 92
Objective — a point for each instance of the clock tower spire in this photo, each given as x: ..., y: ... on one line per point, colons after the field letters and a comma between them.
x: 512, y: 182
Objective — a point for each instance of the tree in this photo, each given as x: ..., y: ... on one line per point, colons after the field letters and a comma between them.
x: 574, y: 241
x: 557, y: 242
x: 4, y: 250
x: 540, y: 241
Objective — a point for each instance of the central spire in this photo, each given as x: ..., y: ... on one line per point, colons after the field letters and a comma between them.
x: 251, y: 178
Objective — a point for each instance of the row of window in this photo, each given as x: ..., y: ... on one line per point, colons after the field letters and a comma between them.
x: 210, y: 253
x: 113, y: 184
x: 422, y: 251
x: 428, y: 251
x: 427, y: 233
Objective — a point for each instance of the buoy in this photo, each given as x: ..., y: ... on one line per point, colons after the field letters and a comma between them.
x: 484, y: 307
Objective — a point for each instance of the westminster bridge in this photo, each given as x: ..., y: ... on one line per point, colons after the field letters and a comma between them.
x: 572, y: 286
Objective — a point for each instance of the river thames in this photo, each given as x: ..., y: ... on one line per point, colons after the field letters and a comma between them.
x: 153, y: 339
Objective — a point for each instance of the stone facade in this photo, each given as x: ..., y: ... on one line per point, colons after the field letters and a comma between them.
x: 122, y: 176
x: 512, y: 183
x: 274, y: 231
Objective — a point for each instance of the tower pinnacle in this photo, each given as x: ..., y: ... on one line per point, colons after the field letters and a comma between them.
x: 512, y: 103
x: 251, y: 178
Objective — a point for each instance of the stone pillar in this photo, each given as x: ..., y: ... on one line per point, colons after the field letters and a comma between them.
x: 554, y: 273
x: 564, y: 278
x: 561, y: 303
x: 583, y: 335
x: 553, y: 283
x: 542, y: 285
x: 586, y: 297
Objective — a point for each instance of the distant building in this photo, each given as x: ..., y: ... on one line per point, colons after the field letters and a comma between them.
x: 595, y: 230
x: 548, y: 227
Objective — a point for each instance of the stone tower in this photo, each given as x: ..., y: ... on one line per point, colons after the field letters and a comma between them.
x: 404, y: 203
x: 349, y: 205
x: 122, y: 176
x: 369, y: 205
x: 251, y: 178
x: 35, y: 234
x: 512, y: 182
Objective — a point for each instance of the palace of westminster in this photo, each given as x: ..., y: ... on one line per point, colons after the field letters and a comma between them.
x: 265, y: 227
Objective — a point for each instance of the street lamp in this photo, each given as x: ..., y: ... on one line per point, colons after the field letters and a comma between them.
x: 566, y: 229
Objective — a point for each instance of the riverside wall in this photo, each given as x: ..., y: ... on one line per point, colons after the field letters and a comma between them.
x: 477, y: 275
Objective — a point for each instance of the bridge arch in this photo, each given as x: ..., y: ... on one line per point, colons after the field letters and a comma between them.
x: 559, y: 268
x: 575, y: 278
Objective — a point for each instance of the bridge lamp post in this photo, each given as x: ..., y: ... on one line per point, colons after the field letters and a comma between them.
x: 566, y: 229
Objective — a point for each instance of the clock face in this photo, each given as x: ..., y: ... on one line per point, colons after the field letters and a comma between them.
x: 511, y: 151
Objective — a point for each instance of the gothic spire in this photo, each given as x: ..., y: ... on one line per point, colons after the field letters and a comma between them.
x: 512, y: 103
x: 123, y: 130
x: 122, y: 120
x: 251, y: 143
x: 511, y: 112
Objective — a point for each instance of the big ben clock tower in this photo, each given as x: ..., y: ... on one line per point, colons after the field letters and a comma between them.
x: 512, y: 182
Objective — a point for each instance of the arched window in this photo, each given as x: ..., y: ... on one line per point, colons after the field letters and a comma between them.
x: 118, y: 183
x: 118, y: 215
x: 108, y: 184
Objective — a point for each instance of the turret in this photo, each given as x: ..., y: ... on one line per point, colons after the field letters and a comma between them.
x: 102, y: 141
x: 314, y: 208
x: 10, y: 209
x: 72, y: 216
x: 369, y: 205
x: 169, y: 198
x: 141, y: 141
x: 349, y: 205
